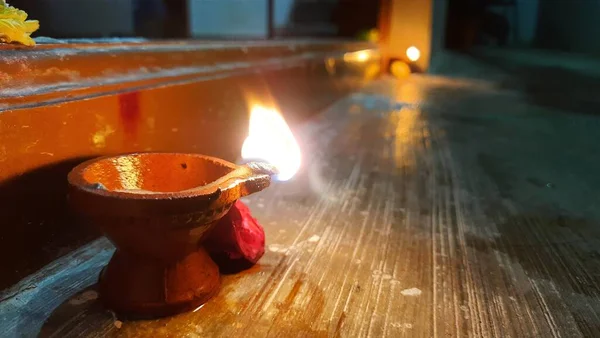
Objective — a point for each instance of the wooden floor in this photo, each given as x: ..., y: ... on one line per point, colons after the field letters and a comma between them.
x: 423, y: 209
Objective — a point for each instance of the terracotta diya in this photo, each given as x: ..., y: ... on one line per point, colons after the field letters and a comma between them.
x: 157, y: 209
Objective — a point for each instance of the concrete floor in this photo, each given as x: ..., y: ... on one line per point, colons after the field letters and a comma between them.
x: 522, y: 130
x: 532, y: 129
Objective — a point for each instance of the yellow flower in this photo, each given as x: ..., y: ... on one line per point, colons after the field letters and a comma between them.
x: 14, y: 27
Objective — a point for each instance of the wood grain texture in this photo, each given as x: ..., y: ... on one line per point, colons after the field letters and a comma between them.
x: 416, y: 214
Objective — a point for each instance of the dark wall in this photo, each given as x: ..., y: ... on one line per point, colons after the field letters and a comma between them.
x: 169, y: 18
x: 341, y: 18
x: 107, y: 18
x: 571, y: 26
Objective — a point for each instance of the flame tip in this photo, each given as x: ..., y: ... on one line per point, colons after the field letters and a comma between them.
x: 271, y: 144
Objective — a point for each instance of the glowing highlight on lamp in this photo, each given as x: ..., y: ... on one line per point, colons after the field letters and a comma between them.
x: 270, y: 139
x: 129, y: 172
x: 413, y: 53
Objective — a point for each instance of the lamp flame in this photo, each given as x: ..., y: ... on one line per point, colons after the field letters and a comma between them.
x: 271, y: 140
x: 413, y: 53
x: 358, y: 56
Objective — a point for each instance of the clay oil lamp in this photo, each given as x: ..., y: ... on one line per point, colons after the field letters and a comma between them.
x: 157, y: 209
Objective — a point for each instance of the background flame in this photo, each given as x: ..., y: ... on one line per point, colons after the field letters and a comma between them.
x: 271, y: 140
x: 413, y: 53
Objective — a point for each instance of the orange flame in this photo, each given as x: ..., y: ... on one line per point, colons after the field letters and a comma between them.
x: 270, y: 139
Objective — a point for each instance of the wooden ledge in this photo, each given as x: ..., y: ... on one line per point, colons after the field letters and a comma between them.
x: 52, y: 73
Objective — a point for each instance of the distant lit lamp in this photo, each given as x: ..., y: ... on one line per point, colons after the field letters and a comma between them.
x: 400, y: 69
x: 413, y: 53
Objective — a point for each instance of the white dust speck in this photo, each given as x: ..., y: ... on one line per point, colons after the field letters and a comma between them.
x: 46, y: 153
x: 464, y: 308
x: 277, y: 248
x: 386, y: 276
x: 411, y: 292
x: 174, y: 130
x: 314, y: 238
x: 118, y: 324
x: 84, y: 297
x: 402, y: 325
x: 260, y: 205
